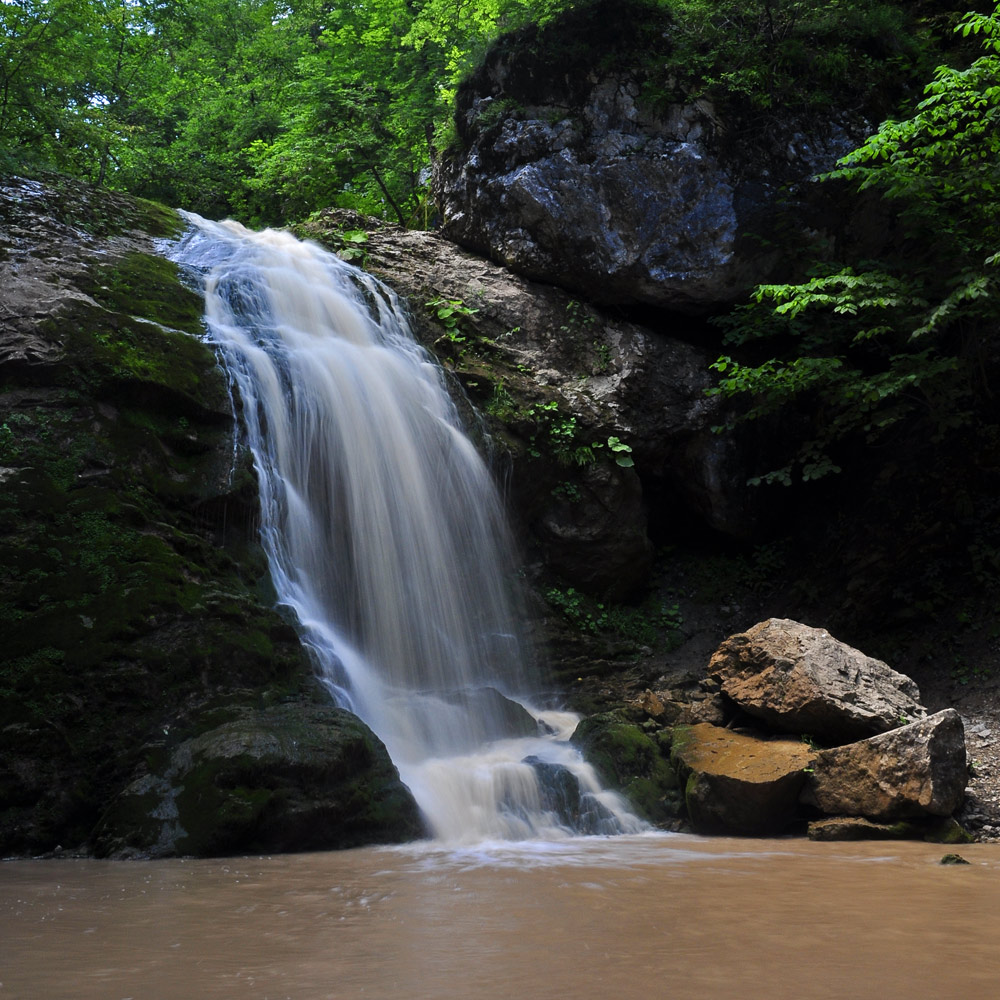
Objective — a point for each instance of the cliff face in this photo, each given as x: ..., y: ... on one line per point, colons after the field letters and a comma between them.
x: 573, y: 166
x: 134, y: 596
x: 602, y: 423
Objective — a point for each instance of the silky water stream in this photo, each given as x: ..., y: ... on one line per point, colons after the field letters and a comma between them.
x: 386, y: 537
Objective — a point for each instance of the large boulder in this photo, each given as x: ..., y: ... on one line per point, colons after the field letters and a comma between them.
x: 736, y: 783
x: 571, y: 168
x: 800, y: 679
x: 917, y: 770
x: 295, y: 777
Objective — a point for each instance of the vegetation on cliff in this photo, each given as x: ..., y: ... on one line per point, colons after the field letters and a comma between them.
x: 875, y: 342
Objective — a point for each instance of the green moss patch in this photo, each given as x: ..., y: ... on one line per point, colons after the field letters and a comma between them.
x: 634, y: 762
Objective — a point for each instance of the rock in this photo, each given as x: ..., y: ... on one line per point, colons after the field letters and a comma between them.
x: 553, y: 375
x: 854, y: 828
x: 295, y: 777
x: 800, y: 679
x: 591, y: 537
x: 497, y: 717
x: 631, y: 761
x: 575, y: 809
x: 934, y: 830
x: 568, y: 171
x: 953, y: 859
x: 917, y: 770
x: 737, y: 784
x: 134, y: 589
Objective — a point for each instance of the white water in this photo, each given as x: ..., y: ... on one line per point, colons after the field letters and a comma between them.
x: 385, y: 533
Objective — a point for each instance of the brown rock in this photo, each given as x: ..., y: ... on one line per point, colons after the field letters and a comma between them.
x: 853, y: 828
x: 801, y: 680
x: 917, y: 770
x: 737, y: 783
x: 935, y: 830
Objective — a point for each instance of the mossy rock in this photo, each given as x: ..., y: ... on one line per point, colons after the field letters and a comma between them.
x: 933, y: 830
x: 293, y: 777
x: 633, y: 762
x: 135, y: 595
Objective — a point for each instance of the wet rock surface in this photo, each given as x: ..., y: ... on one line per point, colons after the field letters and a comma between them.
x: 135, y: 597
x: 633, y: 762
x: 296, y: 777
x: 937, y: 831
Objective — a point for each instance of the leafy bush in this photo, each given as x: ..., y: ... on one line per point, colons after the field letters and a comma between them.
x: 873, y: 343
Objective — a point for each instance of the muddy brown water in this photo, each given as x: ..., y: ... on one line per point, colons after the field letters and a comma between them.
x: 628, y: 917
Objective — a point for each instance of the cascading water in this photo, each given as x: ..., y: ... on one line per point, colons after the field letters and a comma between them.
x: 386, y: 537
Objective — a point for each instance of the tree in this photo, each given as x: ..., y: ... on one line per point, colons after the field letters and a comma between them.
x: 373, y: 90
x: 877, y: 342
x: 48, y: 57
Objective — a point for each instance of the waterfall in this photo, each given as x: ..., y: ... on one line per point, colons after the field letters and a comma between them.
x: 386, y: 537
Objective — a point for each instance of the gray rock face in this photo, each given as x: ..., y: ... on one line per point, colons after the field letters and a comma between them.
x: 917, y: 770
x: 573, y: 175
x: 292, y: 778
x: 800, y: 679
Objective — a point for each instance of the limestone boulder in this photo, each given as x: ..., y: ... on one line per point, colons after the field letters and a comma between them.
x: 739, y: 784
x: 800, y: 679
x: 916, y: 770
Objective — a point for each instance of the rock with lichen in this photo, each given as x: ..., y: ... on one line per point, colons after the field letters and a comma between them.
x: 799, y: 679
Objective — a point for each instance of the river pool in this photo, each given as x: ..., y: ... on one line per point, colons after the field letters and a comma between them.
x: 648, y: 916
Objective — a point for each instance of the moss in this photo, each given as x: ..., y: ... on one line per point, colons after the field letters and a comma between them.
x: 131, y: 358
x: 141, y: 284
x: 297, y: 775
x: 633, y: 762
x: 134, y: 591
